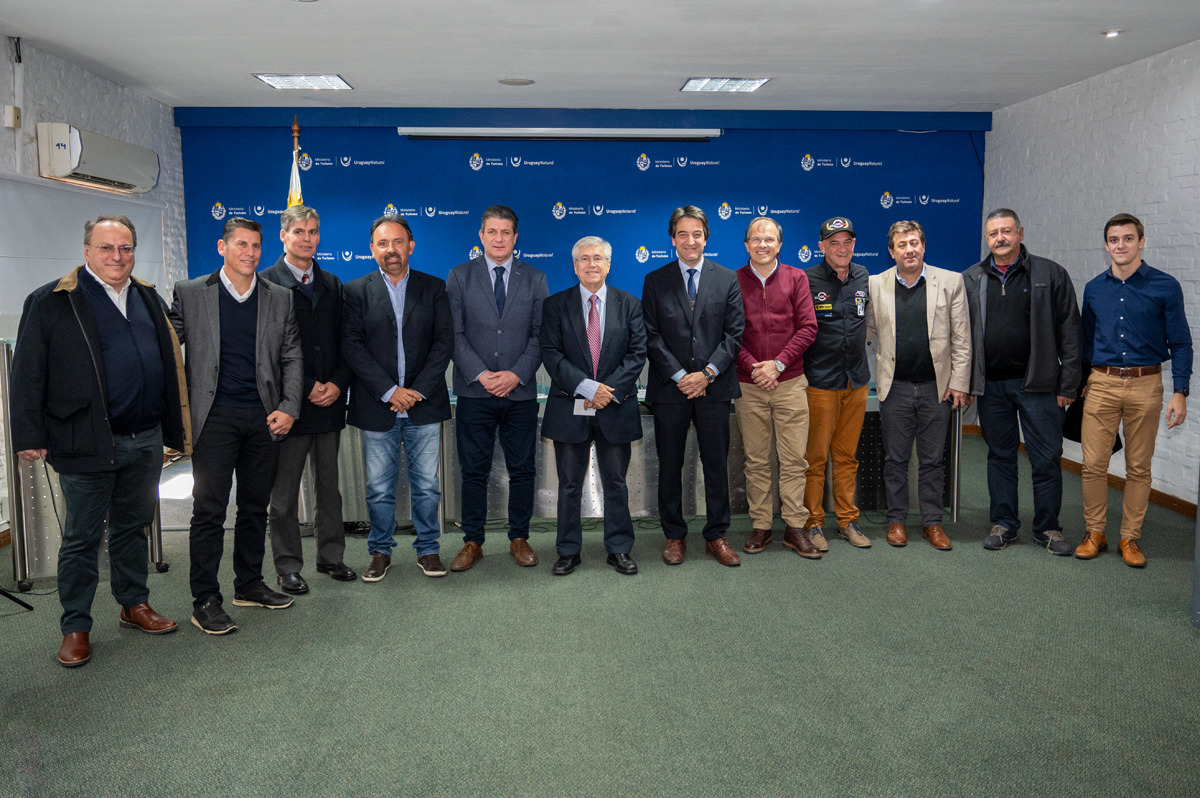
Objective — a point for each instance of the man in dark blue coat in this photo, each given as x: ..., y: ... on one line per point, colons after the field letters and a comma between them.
x: 97, y: 388
x: 315, y: 437
x: 593, y: 346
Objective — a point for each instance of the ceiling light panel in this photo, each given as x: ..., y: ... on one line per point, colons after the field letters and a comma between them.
x: 724, y: 84
x: 304, y: 82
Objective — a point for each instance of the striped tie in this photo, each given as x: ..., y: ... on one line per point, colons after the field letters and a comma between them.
x: 593, y: 329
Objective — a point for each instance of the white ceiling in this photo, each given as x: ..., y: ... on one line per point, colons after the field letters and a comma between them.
x: 887, y: 55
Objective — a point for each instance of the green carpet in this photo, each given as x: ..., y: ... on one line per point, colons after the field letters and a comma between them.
x: 879, y: 672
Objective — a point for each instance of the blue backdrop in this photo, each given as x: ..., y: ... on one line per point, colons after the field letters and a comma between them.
x: 563, y: 190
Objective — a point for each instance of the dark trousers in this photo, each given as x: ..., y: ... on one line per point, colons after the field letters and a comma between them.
x: 234, y: 439
x: 321, y: 450
x: 477, y: 422
x: 913, y: 411
x: 1041, y: 420
x: 671, y: 422
x: 126, y: 496
x: 613, y: 462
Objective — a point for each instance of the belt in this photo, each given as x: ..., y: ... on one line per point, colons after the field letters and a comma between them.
x: 1129, y: 371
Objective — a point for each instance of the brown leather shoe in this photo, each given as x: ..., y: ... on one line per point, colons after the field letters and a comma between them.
x: 798, y: 541
x: 470, y: 554
x: 146, y: 619
x: 673, y: 552
x: 758, y: 540
x: 519, y: 549
x: 936, y: 537
x: 1092, y: 545
x: 724, y: 553
x: 75, y: 651
x: 1130, y: 553
x: 896, y: 535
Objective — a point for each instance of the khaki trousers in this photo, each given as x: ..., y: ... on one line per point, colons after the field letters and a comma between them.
x: 1136, y: 403
x: 780, y: 414
x: 835, y: 422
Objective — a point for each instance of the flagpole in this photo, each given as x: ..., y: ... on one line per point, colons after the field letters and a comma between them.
x: 295, y: 135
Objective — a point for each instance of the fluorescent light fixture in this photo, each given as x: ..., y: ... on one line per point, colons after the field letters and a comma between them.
x: 723, y: 84
x: 559, y: 133
x: 304, y: 81
x: 1112, y: 33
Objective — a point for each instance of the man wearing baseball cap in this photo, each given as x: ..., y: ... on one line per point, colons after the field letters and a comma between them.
x: 837, y: 371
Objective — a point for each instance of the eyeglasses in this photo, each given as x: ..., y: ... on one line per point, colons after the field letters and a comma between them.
x: 585, y: 260
x: 770, y: 242
x: 107, y: 249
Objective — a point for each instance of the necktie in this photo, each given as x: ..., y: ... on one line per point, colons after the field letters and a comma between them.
x: 498, y: 288
x: 593, y: 330
x: 306, y: 278
x: 692, y: 284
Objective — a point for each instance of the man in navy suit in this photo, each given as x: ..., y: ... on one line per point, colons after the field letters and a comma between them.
x: 694, y: 322
x: 496, y: 301
x: 594, y: 347
x: 397, y: 337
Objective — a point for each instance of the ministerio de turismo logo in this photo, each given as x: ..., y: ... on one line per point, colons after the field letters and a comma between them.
x: 218, y: 211
x: 886, y: 200
x: 643, y: 162
x: 304, y: 161
x: 807, y: 163
x: 559, y: 211
x: 805, y: 254
x: 475, y: 162
x: 724, y: 211
x: 641, y: 255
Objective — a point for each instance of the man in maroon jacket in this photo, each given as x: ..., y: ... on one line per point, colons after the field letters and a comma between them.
x: 780, y: 326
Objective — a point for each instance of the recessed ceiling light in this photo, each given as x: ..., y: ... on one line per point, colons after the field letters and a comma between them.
x: 1113, y: 33
x: 304, y: 81
x: 516, y: 81
x: 723, y: 84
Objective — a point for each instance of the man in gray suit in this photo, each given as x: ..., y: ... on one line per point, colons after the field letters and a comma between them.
x: 245, y: 370
x: 496, y: 301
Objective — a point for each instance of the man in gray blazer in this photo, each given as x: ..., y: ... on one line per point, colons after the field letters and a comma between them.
x: 496, y: 301
x: 245, y: 370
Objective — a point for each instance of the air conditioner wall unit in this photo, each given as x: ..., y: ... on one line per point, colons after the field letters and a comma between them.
x: 68, y: 153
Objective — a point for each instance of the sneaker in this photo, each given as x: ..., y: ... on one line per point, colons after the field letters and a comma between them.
x: 210, y: 618
x: 380, y: 563
x: 259, y: 595
x: 1054, y: 541
x: 431, y: 565
x: 852, y: 534
x: 817, y: 536
x: 1002, y: 536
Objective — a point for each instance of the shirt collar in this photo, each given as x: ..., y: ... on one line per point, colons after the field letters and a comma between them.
x: 114, y: 291
x: 602, y: 294
x: 492, y: 265
x: 924, y: 274
x: 299, y: 273
x: 225, y: 281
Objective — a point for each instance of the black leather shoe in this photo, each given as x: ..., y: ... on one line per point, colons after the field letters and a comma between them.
x: 623, y: 563
x: 293, y: 583
x: 566, y: 565
x: 338, y: 571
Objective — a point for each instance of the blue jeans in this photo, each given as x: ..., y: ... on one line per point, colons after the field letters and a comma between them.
x: 381, y: 456
x: 126, y: 495
x: 1041, y: 419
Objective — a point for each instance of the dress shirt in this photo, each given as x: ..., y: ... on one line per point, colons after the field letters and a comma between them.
x: 492, y: 266
x: 225, y: 281
x: 924, y: 275
x: 119, y: 296
x: 587, y: 387
x: 299, y: 273
x: 1137, y: 322
x: 397, y: 294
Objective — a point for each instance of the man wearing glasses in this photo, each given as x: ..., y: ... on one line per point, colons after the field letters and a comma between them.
x: 780, y: 326
x: 97, y: 388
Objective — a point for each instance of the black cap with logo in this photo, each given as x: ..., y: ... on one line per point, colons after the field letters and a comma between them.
x: 838, y: 224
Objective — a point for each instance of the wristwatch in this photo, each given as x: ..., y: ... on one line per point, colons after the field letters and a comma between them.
x: 779, y: 366
x: 709, y: 377
x: 1184, y: 391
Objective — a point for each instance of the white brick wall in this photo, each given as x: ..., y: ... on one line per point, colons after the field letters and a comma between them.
x: 57, y: 91
x: 1124, y: 140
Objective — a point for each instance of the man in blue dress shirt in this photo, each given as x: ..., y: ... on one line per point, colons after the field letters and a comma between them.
x: 1133, y: 320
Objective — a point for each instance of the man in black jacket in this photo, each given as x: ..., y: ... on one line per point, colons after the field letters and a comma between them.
x: 97, y: 388
x: 1027, y: 337
x: 317, y: 300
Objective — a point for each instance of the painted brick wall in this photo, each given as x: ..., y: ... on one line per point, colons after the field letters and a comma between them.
x: 57, y: 91
x: 1124, y: 140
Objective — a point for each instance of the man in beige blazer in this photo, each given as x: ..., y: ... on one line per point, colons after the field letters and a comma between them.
x: 918, y: 323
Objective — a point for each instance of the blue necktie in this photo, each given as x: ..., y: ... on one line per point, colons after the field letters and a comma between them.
x: 499, y: 289
x: 692, y: 284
